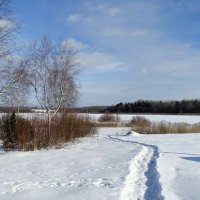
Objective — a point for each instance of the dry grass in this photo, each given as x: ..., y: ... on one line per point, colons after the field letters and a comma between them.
x: 144, y: 126
x: 108, y: 124
x: 167, y: 127
x: 16, y: 132
x: 33, y: 133
x: 109, y: 118
x: 139, y: 121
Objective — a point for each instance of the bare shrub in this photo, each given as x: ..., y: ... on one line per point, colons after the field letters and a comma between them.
x: 107, y: 124
x: 139, y: 121
x: 74, y: 126
x: 108, y: 118
x: 16, y: 132
x: 164, y: 127
x: 22, y: 134
x: 64, y: 128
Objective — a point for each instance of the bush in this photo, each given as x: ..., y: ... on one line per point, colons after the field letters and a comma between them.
x: 16, y: 132
x: 64, y: 128
x: 73, y: 126
x: 22, y: 134
x: 139, y: 121
x: 164, y: 127
x: 108, y: 118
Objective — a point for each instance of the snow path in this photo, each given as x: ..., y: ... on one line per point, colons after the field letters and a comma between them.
x: 135, y: 181
x: 178, y: 164
x: 143, y: 179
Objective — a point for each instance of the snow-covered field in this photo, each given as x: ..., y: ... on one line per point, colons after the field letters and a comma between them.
x: 169, y: 118
x: 109, y: 166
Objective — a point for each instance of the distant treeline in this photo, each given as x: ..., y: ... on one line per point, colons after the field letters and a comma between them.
x: 6, y: 109
x: 147, y: 106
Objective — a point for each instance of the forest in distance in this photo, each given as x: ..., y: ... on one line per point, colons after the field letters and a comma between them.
x: 148, y: 106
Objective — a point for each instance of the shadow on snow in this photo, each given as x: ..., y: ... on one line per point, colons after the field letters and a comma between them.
x: 196, y: 159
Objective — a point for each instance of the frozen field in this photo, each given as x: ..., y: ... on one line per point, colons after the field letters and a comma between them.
x: 156, y: 118
x: 109, y: 166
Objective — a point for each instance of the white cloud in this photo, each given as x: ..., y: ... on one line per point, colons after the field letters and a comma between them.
x: 113, y: 11
x: 143, y: 70
x: 104, y: 9
x: 119, y: 32
x: 76, y: 44
x: 97, y: 7
x: 100, y: 61
x: 94, y: 59
x: 74, y: 18
x: 173, y: 60
x: 90, y: 23
x: 137, y: 35
x: 114, y: 66
x: 110, y: 90
x: 100, y: 90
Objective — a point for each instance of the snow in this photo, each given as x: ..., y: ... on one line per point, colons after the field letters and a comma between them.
x: 178, y: 164
x: 136, y: 179
x: 96, y: 168
x: 109, y: 166
x: 39, y: 110
x: 169, y: 118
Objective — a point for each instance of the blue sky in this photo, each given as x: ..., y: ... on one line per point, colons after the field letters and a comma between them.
x: 129, y: 50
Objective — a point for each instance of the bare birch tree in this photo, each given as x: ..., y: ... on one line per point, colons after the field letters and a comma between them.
x: 16, y: 77
x: 53, y: 72
x: 8, y: 29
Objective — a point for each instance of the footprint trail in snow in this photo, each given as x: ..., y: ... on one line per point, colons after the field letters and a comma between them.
x: 142, y: 182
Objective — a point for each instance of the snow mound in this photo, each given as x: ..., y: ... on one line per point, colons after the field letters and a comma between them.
x: 133, y: 133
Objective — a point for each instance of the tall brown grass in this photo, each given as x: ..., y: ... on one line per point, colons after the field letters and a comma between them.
x: 15, y: 132
x: 33, y: 133
x: 144, y: 126
x: 139, y: 121
x: 108, y: 120
x: 107, y: 117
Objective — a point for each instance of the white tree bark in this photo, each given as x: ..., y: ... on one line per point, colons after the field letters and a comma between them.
x: 53, y: 69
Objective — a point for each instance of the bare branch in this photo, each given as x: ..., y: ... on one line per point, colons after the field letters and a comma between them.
x: 52, y: 72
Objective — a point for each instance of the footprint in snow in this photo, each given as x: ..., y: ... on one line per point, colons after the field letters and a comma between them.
x: 103, y: 183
